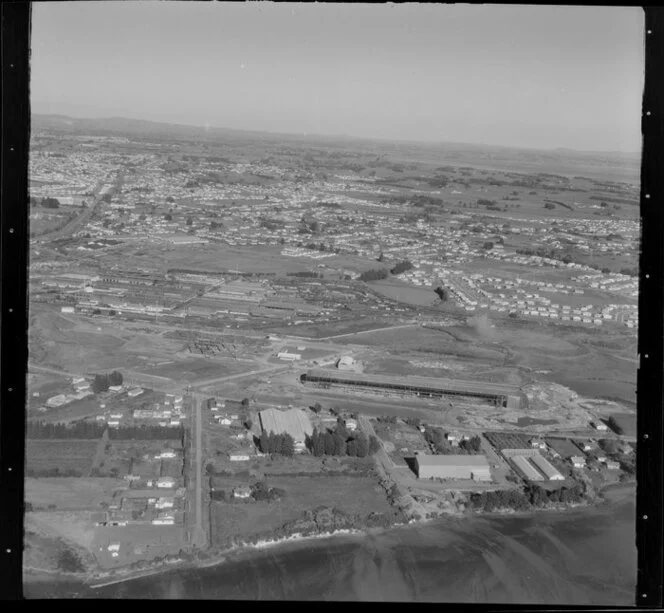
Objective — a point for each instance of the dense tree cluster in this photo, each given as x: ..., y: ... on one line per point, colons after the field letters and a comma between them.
x: 531, y: 496
x: 260, y: 491
x: 80, y: 430
x: 341, y: 442
x: 101, y: 383
x: 443, y: 293
x: 614, y: 425
x: 53, y: 472
x: 147, y: 433
x: 50, y: 203
x: 401, y: 267
x: 281, y: 444
x: 374, y: 274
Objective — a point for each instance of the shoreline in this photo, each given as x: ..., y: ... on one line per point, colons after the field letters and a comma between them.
x: 99, y: 579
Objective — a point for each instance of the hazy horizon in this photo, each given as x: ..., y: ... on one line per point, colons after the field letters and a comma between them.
x: 532, y: 77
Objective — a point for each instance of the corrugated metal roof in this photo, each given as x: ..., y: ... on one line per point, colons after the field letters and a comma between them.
x: 475, y: 461
x: 416, y: 381
x: 528, y: 470
x: 545, y: 466
x: 294, y: 421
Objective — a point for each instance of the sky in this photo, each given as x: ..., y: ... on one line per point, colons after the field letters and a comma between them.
x: 521, y: 76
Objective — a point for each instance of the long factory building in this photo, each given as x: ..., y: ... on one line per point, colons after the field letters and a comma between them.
x: 499, y: 394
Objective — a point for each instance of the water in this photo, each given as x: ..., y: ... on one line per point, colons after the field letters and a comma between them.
x: 584, y: 556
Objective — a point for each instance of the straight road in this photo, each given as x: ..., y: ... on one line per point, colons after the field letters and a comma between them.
x: 199, y: 537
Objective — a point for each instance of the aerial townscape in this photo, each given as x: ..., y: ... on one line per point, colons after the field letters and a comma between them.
x: 238, y: 338
x: 334, y: 302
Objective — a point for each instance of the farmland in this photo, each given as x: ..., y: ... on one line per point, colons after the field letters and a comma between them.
x: 72, y: 458
x: 508, y: 440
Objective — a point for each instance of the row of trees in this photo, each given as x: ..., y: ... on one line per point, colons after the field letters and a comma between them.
x: 401, y: 267
x: 147, y: 433
x: 374, y: 274
x: 50, y: 203
x: 532, y: 496
x: 282, y: 444
x: 101, y: 383
x: 78, y: 430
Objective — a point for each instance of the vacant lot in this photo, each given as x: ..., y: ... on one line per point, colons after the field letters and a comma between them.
x: 350, y: 494
x: 564, y: 447
x: 66, y: 456
x: 70, y: 493
x: 406, y: 293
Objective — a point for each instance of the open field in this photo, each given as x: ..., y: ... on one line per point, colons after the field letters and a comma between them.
x: 85, y: 347
x: 564, y: 447
x: 349, y: 494
x: 71, y: 493
x: 404, y: 292
x: 137, y: 542
x: 66, y: 456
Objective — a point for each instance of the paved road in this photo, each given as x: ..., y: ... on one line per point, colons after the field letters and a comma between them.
x: 200, y: 534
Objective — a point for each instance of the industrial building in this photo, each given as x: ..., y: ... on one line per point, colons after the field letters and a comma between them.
x: 549, y: 471
x: 428, y: 387
x: 295, y: 422
x: 526, y: 468
x: 473, y: 467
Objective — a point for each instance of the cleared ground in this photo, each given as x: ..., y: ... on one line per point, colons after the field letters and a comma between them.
x: 350, y: 494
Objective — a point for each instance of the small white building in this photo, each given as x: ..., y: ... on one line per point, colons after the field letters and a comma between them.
x: 599, y: 425
x: 242, y: 492
x: 578, y: 462
x: 285, y: 355
x: 239, y: 457
x: 351, y: 424
x: 165, y: 482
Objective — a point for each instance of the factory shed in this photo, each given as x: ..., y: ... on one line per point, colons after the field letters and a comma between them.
x: 526, y: 468
x: 548, y: 470
x: 429, y: 387
x: 295, y: 422
x: 452, y: 467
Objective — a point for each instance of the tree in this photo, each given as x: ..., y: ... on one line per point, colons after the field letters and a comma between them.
x: 487, y: 245
x: 329, y: 444
x: 363, y: 445
x: 318, y: 444
x: 317, y: 408
x: 190, y: 220
x: 443, y: 294
x: 248, y: 424
x: 168, y: 217
x: 115, y: 378
x: 287, y: 445
x: 536, y: 495
x: 245, y: 403
x: 614, y: 425
x: 265, y: 442
x: 100, y: 384
x: 339, y: 444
